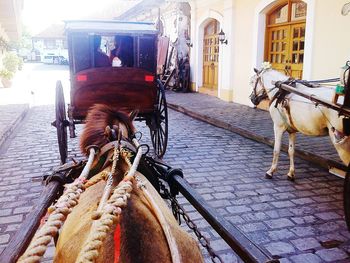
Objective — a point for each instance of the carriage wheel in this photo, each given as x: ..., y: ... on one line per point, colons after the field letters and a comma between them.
x: 346, y: 195
x: 159, y: 130
x: 61, y: 122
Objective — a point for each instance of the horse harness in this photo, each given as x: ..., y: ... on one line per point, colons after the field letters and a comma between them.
x: 118, y: 142
x: 110, y: 206
x: 262, y: 93
x: 279, y: 98
x: 105, y: 154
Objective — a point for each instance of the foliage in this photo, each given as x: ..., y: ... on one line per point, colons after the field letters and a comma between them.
x: 4, y: 43
x: 11, y: 62
x: 5, y: 74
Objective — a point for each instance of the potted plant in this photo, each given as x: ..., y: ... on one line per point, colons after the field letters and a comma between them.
x: 11, y: 63
x: 6, y: 77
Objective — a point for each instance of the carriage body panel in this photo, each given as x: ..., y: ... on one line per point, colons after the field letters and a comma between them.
x: 121, y: 88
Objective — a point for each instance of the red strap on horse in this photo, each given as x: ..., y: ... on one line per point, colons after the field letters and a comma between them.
x: 117, y: 244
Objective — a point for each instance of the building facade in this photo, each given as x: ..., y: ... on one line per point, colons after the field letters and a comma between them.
x: 173, y: 19
x: 306, y: 39
x: 50, y: 44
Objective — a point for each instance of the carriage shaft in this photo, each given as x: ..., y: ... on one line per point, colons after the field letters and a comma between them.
x: 341, y: 109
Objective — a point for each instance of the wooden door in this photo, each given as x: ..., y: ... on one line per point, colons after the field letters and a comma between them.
x: 210, y: 61
x: 297, y: 44
x: 211, y: 58
x: 285, y: 37
x: 278, y: 47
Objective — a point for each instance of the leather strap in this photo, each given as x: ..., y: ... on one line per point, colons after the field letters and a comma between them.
x: 109, y: 146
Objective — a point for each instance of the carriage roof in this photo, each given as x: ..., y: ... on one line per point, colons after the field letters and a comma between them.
x: 110, y: 27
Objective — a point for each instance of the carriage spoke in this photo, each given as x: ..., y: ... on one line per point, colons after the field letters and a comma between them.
x: 162, y: 130
x: 162, y: 111
x: 161, y: 134
x: 160, y: 127
x: 159, y: 143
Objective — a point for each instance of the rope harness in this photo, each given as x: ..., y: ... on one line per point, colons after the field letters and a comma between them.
x: 112, y: 202
x: 57, y: 215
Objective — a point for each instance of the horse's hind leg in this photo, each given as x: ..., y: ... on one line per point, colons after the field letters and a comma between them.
x: 276, y: 151
x: 291, y: 149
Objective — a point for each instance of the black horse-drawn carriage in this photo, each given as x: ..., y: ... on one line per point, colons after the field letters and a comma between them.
x: 123, y: 87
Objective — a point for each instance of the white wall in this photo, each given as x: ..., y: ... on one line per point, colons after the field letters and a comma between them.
x: 327, y: 44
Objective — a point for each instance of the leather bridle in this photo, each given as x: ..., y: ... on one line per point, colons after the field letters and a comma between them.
x: 257, y: 97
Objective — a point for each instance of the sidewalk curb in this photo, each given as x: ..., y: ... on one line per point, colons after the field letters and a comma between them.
x: 13, y: 125
x: 316, y: 159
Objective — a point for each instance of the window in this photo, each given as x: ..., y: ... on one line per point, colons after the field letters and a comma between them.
x: 291, y: 11
x: 50, y: 43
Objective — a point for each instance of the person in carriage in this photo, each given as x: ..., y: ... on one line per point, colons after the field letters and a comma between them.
x: 122, y: 55
x: 101, y: 59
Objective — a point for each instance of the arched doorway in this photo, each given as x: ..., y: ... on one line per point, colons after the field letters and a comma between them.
x: 285, y: 37
x: 211, y: 58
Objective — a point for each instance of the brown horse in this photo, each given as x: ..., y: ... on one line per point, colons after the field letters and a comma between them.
x: 139, y: 235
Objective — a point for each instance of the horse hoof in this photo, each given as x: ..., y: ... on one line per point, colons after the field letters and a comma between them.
x: 291, y: 178
x: 268, y: 176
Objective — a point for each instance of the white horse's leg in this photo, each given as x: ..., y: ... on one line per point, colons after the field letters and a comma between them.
x: 291, y: 149
x: 276, y: 151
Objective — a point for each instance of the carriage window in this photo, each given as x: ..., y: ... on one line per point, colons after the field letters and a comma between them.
x: 81, y: 51
x: 113, y: 51
x: 147, y: 56
x: 99, y: 51
x: 122, y: 53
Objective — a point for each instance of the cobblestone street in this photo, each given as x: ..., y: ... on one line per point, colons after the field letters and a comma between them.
x: 296, y: 222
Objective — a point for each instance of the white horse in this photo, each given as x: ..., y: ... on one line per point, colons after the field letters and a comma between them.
x: 298, y: 114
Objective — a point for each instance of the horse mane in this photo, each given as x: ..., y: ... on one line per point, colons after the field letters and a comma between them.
x: 273, y: 74
x: 98, y: 118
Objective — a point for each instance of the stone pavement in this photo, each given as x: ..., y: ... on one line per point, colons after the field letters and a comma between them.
x: 297, y: 222
x: 255, y: 124
x: 10, y: 117
x: 252, y: 123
